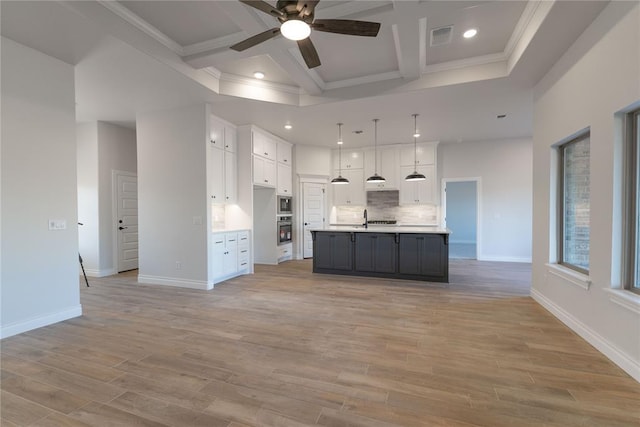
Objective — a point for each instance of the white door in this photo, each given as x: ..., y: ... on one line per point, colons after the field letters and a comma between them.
x: 127, y: 221
x: 312, y: 213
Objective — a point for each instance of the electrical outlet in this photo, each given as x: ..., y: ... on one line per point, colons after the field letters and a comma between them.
x: 178, y: 265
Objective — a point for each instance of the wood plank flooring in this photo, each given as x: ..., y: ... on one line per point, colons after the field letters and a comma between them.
x: 286, y: 347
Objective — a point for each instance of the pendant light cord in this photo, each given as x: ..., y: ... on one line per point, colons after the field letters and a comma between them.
x: 415, y: 145
x: 375, y: 147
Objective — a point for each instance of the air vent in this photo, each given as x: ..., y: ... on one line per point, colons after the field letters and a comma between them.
x: 441, y: 36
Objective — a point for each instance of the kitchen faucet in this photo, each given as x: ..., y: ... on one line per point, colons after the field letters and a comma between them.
x: 366, y: 221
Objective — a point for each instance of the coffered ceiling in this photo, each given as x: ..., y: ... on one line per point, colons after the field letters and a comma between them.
x: 457, y: 85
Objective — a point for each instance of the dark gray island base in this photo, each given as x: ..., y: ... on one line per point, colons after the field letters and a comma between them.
x: 405, y: 254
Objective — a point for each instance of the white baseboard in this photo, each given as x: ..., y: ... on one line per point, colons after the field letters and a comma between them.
x: 99, y: 273
x: 626, y: 363
x: 504, y: 258
x: 40, y: 321
x: 171, y: 281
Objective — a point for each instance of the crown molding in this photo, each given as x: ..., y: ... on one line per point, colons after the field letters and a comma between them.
x: 142, y: 25
x: 278, y: 87
x: 213, y: 44
x: 372, y: 78
x: 523, y: 23
x: 467, y: 62
x: 213, y: 72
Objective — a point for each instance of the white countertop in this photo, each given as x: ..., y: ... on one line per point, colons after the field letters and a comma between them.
x: 387, y: 229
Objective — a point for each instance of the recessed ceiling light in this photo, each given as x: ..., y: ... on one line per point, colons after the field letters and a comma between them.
x: 288, y: 126
x: 258, y: 75
x: 470, y: 33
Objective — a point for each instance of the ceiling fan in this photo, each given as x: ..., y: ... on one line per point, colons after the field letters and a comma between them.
x: 296, y: 21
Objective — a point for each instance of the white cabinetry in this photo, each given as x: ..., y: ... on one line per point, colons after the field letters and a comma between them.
x: 418, y: 192
x: 387, y: 168
x: 285, y: 252
x: 229, y: 255
x: 425, y: 154
x: 264, y: 171
x: 352, y: 193
x: 222, y: 167
x: 264, y: 146
x: 351, y: 159
x: 284, y: 180
x: 284, y: 153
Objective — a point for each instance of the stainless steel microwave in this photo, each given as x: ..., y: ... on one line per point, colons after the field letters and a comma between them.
x: 285, y: 207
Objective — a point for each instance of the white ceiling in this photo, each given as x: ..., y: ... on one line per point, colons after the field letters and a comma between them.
x: 136, y: 56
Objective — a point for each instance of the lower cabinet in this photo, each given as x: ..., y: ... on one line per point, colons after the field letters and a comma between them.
x: 376, y: 252
x: 332, y: 251
x: 411, y: 256
x: 424, y: 255
x: 229, y: 255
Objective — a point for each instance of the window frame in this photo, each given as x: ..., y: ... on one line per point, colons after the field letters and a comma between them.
x: 631, y: 201
x: 560, y: 211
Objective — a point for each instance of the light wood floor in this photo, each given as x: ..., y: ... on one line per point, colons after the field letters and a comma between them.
x: 287, y: 348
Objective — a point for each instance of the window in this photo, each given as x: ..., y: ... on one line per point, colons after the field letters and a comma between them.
x: 574, y: 204
x: 631, y: 223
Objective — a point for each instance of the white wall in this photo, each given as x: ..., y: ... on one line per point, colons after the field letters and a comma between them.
x: 89, y: 232
x: 40, y: 281
x: 172, y: 197
x: 116, y: 151
x: 598, y: 76
x: 505, y: 171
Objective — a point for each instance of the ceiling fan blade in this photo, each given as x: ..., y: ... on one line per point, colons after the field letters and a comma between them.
x: 347, y: 26
x: 258, y: 38
x: 306, y: 7
x: 263, y: 6
x: 309, y: 53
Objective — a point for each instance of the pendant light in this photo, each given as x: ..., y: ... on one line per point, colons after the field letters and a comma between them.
x: 415, y: 176
x: 375, y: 178
x: 340, y: 179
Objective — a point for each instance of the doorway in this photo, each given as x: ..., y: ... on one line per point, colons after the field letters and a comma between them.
x: 313, y: 213
x: 125, y: 189
x: 461, y: 215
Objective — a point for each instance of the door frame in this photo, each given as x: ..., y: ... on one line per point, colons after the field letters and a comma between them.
x: 302, y: 179
x: 443, y: 207
x: 114, y: 217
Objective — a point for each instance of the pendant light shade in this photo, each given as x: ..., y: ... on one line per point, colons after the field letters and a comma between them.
x: 415, y: 176
x: 375, y: 178
x: 340, y: 180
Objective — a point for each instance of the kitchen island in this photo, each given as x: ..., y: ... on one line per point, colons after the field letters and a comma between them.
x: 414, y: 253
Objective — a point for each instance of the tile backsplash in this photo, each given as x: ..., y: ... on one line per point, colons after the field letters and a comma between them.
x: 383, y: 205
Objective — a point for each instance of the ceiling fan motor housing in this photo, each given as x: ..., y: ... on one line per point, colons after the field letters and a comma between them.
x: 290, y: 10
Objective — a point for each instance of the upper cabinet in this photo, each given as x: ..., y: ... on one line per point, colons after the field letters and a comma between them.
x: 418, y: 192
x: 387, y: 167
x: 425, y: 154
x: 284, y: 153
x: 264, y: 146
x: 222, y: 166
x: 351, y: 159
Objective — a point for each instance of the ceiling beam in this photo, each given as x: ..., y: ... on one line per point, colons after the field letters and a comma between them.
x: 406, y: 39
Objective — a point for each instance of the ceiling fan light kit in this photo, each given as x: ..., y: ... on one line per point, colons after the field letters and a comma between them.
x: 296, y: 21
x: 375, y: 178
x: 415, y: 176
x: 340, y: 180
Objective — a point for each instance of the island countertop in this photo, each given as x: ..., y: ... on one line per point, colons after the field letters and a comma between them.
x: 386, y: 229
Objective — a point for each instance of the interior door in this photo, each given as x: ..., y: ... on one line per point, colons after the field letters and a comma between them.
x: 312, y: 213
x: 127, y: 218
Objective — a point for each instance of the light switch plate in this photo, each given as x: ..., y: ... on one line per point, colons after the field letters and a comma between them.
x: 57, y: 224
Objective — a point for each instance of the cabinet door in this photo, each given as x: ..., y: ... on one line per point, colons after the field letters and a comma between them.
x: 424, y: 255
x: 284, y: 179
x: 216, y: 135
x: 215, y: 174
x: 333, y: 251
x: 230, y: 177
x: 264, y: 146
x: 231, y: 254
x: 284, y: 153
x: 387, y: 168
x: 230, y: 139
x: 352, y: 159
x: 425, y: 154
x: 375, y: 252
x: 264, y: 172
x: 417, y: 192
x: 217, y: 255
x: 352, y: 193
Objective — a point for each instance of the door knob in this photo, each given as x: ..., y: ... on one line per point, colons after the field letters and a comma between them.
x: 306, y: 223
x: 122, y: 228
